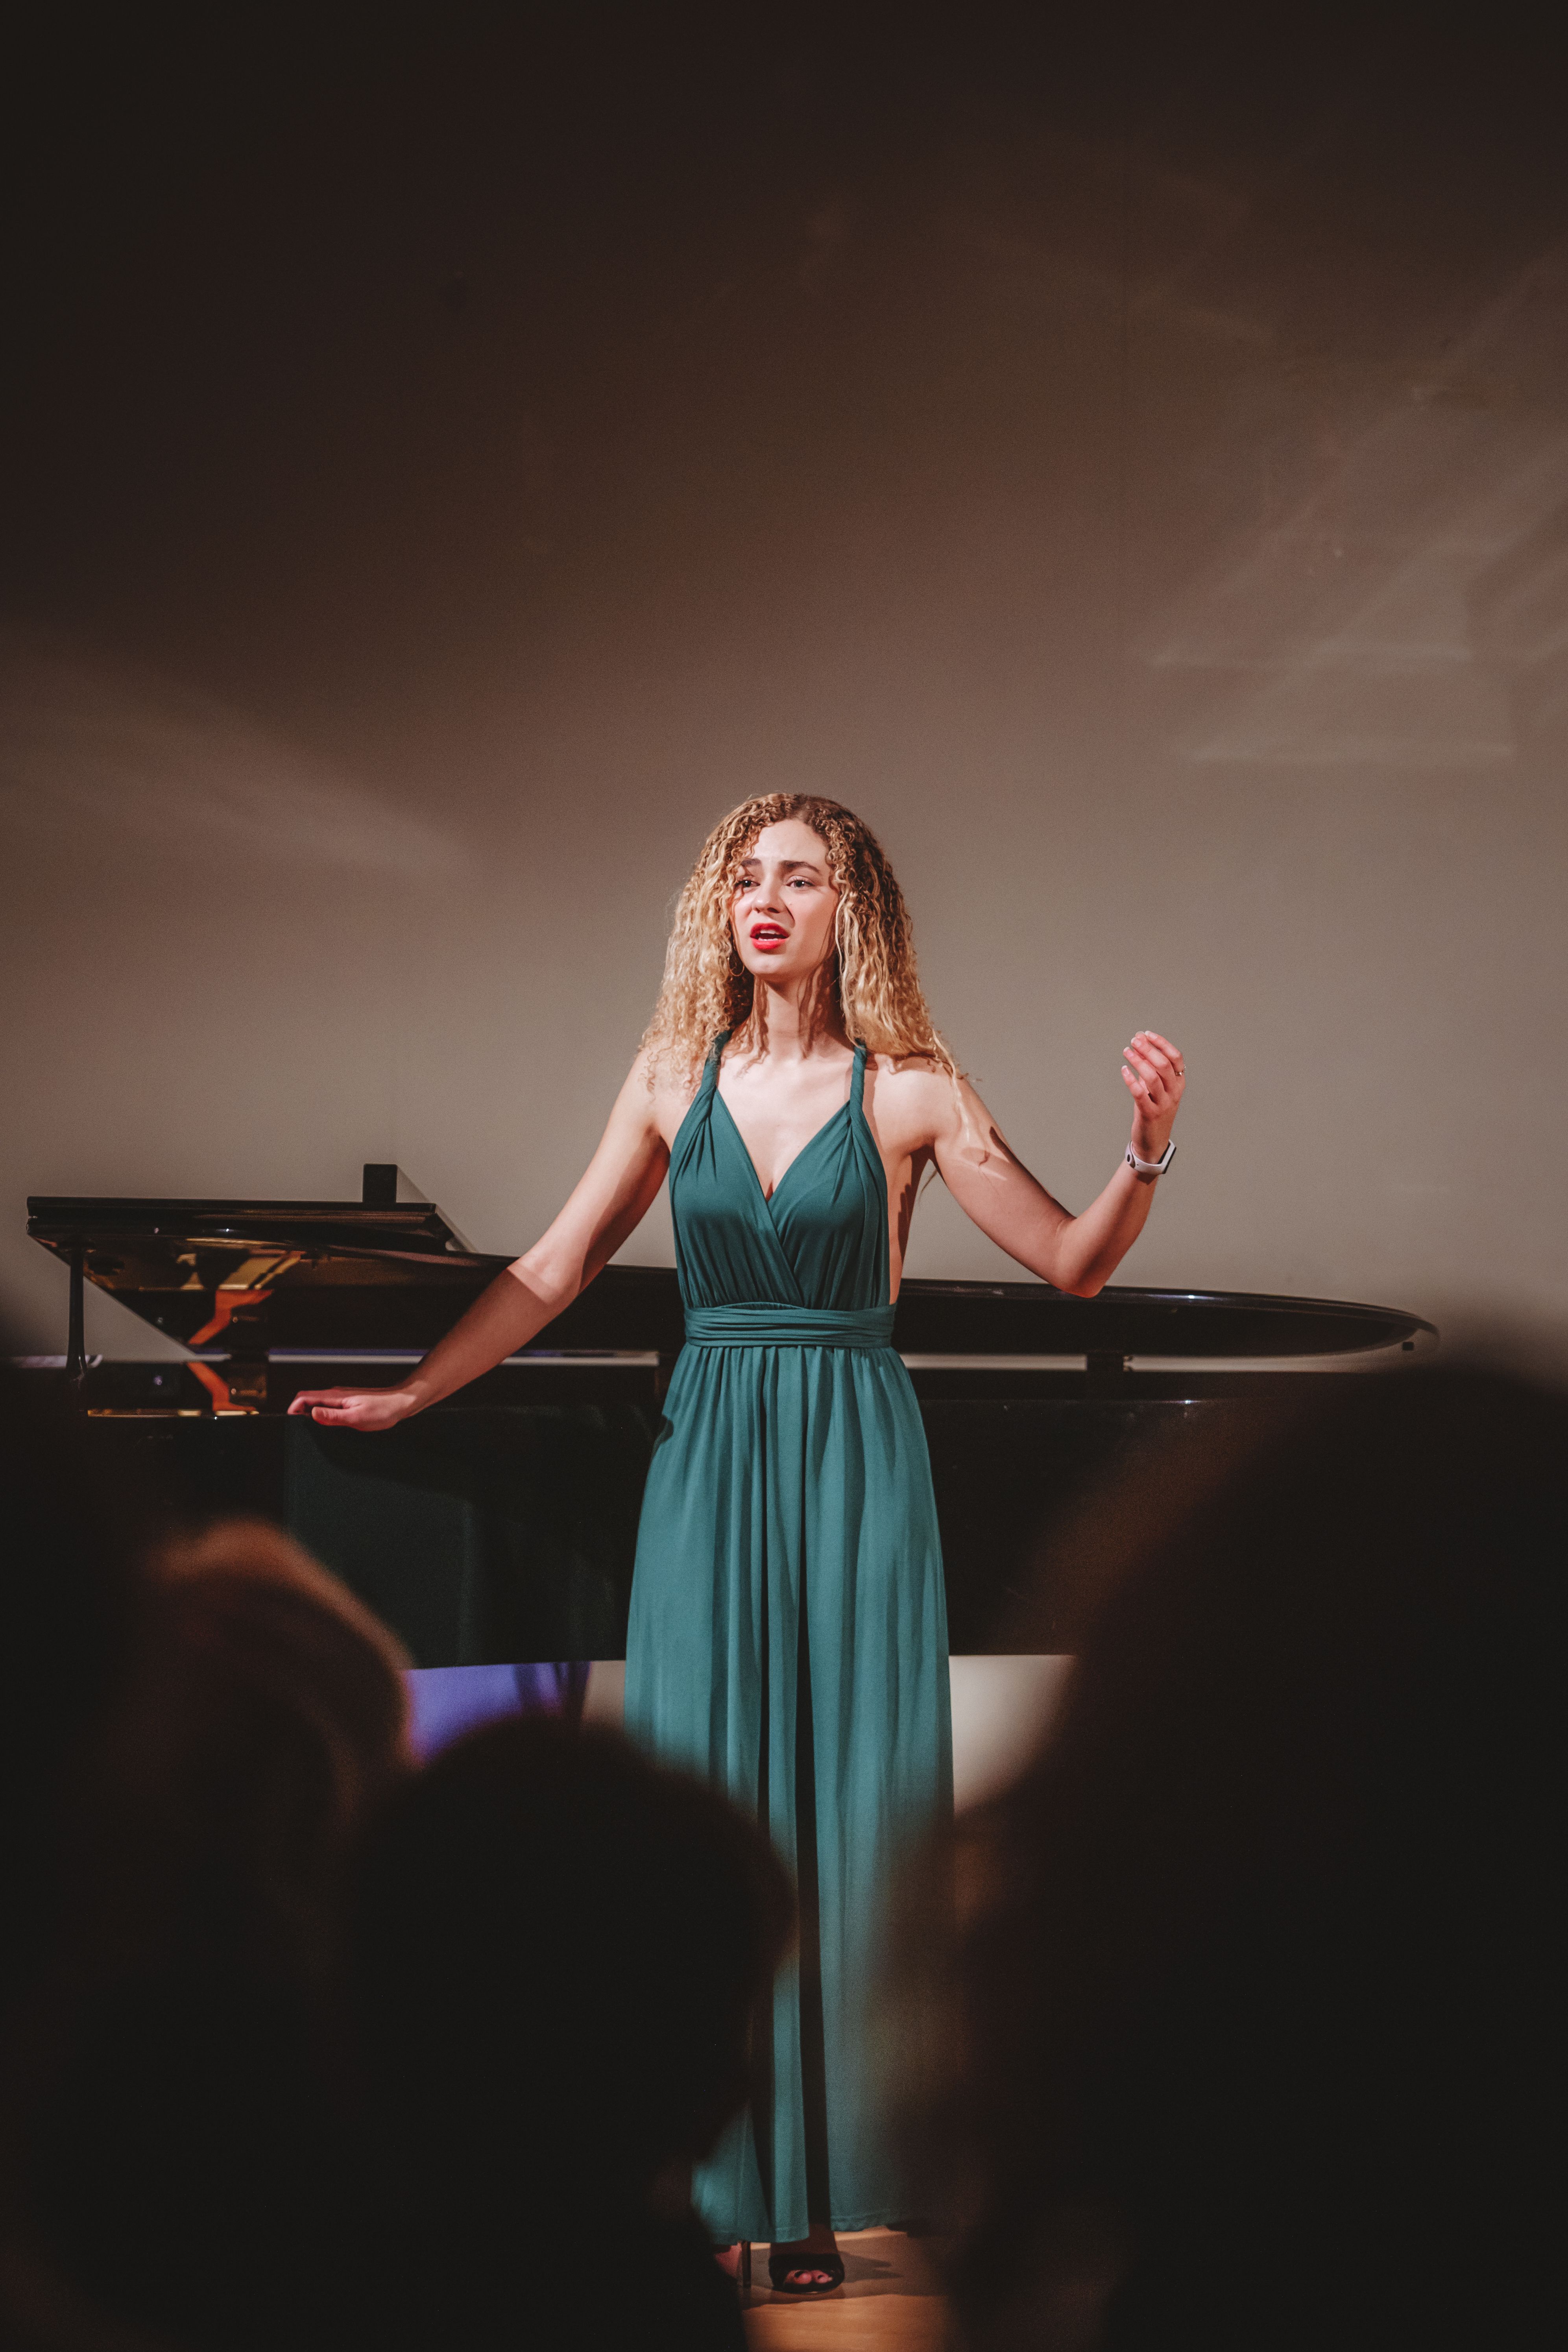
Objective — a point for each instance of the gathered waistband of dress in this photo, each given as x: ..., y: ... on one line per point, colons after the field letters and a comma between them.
x: 789, y: 1327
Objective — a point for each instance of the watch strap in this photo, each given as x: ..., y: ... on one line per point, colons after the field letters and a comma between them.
x: 1152, y: 1166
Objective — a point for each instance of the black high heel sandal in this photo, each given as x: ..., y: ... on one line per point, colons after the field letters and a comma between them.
x: 784, y: 2272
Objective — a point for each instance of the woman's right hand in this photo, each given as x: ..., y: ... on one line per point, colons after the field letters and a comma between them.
x: 356, y: 1408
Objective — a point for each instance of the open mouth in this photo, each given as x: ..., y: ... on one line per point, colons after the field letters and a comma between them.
x: 768, y: 935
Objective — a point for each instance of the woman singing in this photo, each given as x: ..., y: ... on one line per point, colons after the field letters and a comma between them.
x: 788, y: 1634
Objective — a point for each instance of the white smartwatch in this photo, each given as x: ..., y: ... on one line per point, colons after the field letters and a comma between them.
x: 1152, y: 1166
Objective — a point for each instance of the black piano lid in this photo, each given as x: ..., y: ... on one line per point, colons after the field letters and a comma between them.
x: 247, y: 1277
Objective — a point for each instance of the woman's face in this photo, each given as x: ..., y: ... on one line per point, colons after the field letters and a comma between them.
x: 784, y: 902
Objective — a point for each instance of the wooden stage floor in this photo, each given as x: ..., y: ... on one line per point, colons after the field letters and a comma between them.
x: 889, y: 2299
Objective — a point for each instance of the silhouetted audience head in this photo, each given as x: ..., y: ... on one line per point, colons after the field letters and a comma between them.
x: 557, y: 1949
x: 1258, y: 1964
x: 182, y: 2164
x: 267, y: 1711
x: 71, y: 1604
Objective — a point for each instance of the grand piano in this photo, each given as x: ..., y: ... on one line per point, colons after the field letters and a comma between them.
x: 500, y: 1526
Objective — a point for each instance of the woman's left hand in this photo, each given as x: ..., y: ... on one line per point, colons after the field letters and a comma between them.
x: 1156, y: 1075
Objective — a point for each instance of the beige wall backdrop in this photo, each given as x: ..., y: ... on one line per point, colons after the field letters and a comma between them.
x: 1135, y: 479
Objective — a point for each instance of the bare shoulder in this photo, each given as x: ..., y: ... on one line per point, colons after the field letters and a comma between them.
x: 658, y: 1094
x: 911, y: 1098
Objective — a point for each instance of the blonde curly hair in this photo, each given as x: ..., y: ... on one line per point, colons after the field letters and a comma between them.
x: 706, y: 989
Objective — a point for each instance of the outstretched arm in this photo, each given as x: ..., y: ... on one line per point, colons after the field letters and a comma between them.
x: 1077, y: 1254
x: 615, y: 1192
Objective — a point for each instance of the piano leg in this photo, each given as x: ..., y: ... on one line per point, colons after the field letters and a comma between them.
x: 76, y: 1332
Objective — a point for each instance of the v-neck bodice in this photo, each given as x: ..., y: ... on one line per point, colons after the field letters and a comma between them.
x: 819, y: 1240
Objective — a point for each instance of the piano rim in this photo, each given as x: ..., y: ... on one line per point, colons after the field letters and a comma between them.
x: 63, y: 1223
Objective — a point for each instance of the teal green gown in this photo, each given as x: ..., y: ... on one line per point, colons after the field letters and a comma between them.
x: 788, y: 1632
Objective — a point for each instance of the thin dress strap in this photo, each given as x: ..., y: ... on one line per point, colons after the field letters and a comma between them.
x: 710, y: 1067
x: 858, y: 1081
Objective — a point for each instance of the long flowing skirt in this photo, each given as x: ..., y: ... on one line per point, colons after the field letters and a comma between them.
x: 788, y: 1641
